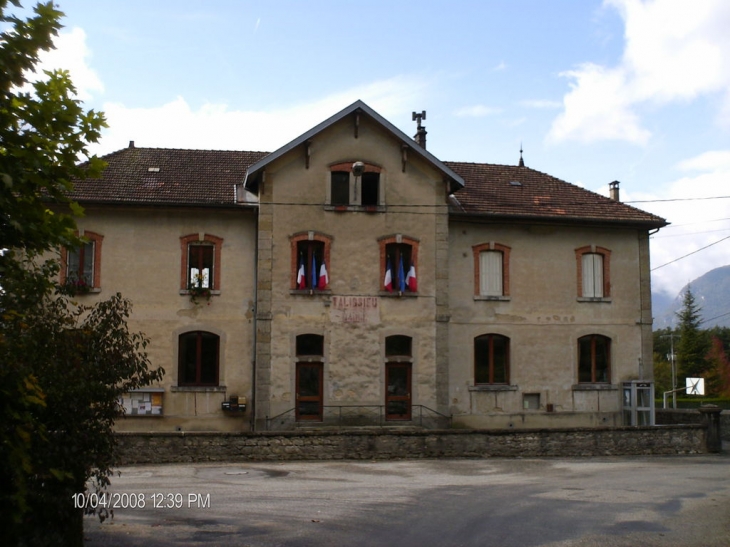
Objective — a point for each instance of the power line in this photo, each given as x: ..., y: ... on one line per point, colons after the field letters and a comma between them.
x: 675, y: 199
x: 713, y: 318
x: 690, y: 254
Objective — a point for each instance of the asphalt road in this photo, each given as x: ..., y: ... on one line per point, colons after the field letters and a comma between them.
x: 607, y: 502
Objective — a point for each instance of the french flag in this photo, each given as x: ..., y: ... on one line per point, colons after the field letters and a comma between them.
x: 411, y: 279
x: 401, y: 276
x: 314, y: 272
x: 388, y: 282
x: 324, y: 279
x: 301, y: 276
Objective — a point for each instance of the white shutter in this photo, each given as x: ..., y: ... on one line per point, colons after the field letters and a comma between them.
x: 592, y: 275
x: 490, y: 273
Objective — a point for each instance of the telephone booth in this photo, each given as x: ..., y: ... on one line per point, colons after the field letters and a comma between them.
x: 638, y: 402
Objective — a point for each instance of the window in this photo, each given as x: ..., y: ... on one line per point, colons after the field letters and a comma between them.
x: 491, y: 270
x: 310, y: 261
x: 398, y: 264
x: 201, y: 262
x: 593, y: 272
x: 198, y: 359
x: 370, y: 189
x: 200, y: 265
x: 347, y: 190
x: 340, y: 188
x: 397, y: 346
x: 491, y: 359
x: 594, y: 359
x: 310, y: 345
x: 81, y: 266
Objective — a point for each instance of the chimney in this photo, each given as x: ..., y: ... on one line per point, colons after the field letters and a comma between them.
x: 420, y: 136
x: 131, y: 144
x: 613, y: 190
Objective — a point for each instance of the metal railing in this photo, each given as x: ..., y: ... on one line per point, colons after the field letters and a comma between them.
x: 360, y: 416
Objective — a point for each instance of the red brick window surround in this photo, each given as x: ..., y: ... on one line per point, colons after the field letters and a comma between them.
x: 393, y: 249
x: 593, y: 266
x: 347, y: 190
x: 309, y: 252
x: 491, y: 269
x: 201, y: 253
x: 82, y: 265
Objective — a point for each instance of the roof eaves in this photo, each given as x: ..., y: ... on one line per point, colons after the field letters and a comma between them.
x: 567, y: 219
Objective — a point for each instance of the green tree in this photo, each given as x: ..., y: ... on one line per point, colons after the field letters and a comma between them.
x: 718, y: 374
x: 44, y: 131
x: 693, y: 343
x: 62, y: 366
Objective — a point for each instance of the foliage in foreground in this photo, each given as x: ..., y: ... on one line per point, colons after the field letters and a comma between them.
x: 72, y: 364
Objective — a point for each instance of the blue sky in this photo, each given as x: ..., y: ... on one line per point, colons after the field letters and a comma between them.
x: 628, y: 90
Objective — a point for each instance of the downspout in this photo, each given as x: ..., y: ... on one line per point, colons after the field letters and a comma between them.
x: 252, y: 416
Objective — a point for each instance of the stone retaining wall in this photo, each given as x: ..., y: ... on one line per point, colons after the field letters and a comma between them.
x: 670, y: 416
x: 137, y: 448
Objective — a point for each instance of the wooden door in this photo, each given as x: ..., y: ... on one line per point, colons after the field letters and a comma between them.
x: 398, y: 391
x: 309, y: 392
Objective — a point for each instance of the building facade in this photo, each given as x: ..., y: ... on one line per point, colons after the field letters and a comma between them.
x: 352, y: 278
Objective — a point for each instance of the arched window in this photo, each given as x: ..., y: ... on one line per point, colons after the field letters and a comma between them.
x: 594, y: 359
x: 594, y: 272
x: 398, y: 265
x: 201, y: 262
x: 491, y: 269
x: 310, y: 261
x: 198, y: 359
x: 491, y: 359
x: 81, y: 266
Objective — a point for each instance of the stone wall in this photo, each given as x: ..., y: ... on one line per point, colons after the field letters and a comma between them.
x: 670, y: 416
x: 137, y: 448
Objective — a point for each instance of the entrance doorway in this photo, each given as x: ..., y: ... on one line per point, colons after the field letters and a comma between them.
x: 309, y: 392
x: 397, y: 391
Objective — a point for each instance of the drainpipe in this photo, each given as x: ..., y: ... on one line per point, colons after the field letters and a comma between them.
x: 252, y: 406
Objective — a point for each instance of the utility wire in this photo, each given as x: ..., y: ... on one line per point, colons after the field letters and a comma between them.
x: 690, y: 254
x: 675, y: 199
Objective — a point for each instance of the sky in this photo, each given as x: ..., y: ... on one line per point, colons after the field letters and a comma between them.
x: 593, y: 91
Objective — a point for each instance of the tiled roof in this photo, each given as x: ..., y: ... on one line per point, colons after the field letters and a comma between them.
x: 163, y: 176
x: 158, y: 176
x: 507, y: 191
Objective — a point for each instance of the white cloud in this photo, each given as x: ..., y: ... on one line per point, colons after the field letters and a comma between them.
x: 686, y: 233
x: 72, y: 54
x: 501, y: 66
x: 708, y: 161
x: 540, y: 103
x: 674, y: 51
x: 476, y: 111
x: 216, y: 126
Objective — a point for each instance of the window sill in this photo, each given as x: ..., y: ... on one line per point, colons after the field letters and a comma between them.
x: 595, y: 387
x: 398, y: 294
x: 356, y: 208
x: 594, y: 299
x: 492, y: 298
x: 185, y: 292
x: 493, y: 387
x: 202, y: 389
x: 310, y: 292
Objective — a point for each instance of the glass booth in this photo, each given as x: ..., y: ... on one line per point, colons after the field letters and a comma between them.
x: 638, y: 402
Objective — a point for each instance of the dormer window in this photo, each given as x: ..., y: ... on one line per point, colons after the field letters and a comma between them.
x: 352, y: 190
